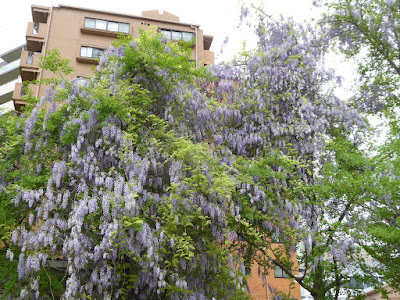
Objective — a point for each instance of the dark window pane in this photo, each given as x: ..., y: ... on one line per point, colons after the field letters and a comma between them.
x: 97, y: 52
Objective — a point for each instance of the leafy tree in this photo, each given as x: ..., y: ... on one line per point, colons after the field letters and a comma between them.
x: 11, y: 141
x: 297, y: 149
x: 160, y: 180
x: 368, y: 31
x: 135, y: 210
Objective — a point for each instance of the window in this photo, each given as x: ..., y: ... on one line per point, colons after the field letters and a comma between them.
x: 106, y: 25
x: 112, y: 26
x: 277, y: 237
x: 279, y: 273
x: 90, y: 23
x: 187, y: 36
x: 81, y: 81
x: 166, y: 33
x: 177, y: 35
x: 101, y: 24
x: 91, y: 52
x: 123, y: 27
x: 24, y: 88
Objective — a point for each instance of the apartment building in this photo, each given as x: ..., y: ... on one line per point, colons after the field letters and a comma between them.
x: 9, y: 73
x: 82, y: 35
x: 265, y: 287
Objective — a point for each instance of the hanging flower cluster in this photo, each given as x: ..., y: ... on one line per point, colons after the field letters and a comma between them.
x: 156, y: 170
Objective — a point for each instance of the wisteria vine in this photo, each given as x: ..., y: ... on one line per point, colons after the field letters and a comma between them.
x: 160, y: 175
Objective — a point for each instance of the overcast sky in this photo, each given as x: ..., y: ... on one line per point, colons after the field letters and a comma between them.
x: 216, y: 17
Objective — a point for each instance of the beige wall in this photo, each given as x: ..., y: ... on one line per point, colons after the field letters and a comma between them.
x: 65, y: 31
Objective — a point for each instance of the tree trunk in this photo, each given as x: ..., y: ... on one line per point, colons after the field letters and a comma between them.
x: 319, y: 295
x: 319, y: 288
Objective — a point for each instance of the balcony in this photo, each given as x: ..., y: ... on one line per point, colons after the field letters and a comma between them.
x: 30, y: 59
x: 19, y: 92
x: 208, y: 57
x: 36, y: 30
x: 35, y: 36
x: 6, y: 91
x: 29, y: 65
x: 40, y: 13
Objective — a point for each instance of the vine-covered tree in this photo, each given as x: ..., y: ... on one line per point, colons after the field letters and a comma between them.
x: 158, y: 180
x: 134, y: 209
x: 368, y: 31
x: 299, y: 148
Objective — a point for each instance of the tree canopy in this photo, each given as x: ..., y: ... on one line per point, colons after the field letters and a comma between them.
x: 157, y: 180
x: 368, y: 32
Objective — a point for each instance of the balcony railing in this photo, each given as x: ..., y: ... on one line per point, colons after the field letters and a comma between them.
x: 20, y: 90
x: 36, y: 31
x: 9, y: 67
x: 30, y: 59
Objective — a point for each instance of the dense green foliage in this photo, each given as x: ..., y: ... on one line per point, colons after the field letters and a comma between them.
x: 369, y: 32
x: 159, y: 180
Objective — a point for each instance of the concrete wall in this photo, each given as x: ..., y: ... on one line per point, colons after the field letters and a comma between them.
x: 65, y: 31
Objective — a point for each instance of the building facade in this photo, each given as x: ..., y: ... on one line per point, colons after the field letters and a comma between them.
x: 275, y: 280
x: 82, y: 35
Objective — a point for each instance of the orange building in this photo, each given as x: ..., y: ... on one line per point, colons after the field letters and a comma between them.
x: 264, y: 287
x: 83, y: 34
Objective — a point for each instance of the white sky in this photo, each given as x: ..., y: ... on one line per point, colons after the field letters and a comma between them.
x: 216, y: 17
